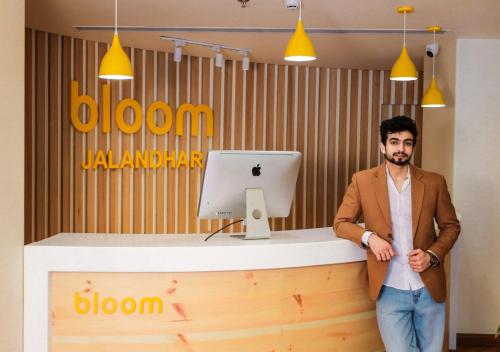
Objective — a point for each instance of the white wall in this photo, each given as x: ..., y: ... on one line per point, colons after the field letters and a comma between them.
x: 438, y: 124
x: 12, y: 174
x: 477, y: 183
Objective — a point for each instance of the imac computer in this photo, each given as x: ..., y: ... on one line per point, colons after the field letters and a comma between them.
x: 250, y: 185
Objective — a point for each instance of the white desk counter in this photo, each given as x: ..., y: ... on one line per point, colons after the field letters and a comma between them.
x: 184, y: 253
x: 178, y: 255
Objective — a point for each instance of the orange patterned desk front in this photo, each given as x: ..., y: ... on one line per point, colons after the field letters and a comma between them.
x: 313, y: 309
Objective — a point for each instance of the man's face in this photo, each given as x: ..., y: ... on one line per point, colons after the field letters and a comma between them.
x: 399, y: 148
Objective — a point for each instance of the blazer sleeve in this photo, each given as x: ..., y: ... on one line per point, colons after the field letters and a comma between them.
x: 348, y: 213
x: 448, y: 224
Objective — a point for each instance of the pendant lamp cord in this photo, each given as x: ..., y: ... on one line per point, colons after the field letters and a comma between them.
x: 433, y: 56
x: 116, y: 16
x: 300, y: 10
x: 404, y: 29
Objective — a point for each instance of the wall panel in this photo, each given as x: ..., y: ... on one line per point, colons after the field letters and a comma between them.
x: 330, y: 115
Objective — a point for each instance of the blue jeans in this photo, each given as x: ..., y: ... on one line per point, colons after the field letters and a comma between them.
x: 410, y: 320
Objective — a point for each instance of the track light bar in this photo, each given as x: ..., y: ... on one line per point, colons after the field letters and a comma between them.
x: 219, y: 57
x: 255, y: 30
x: 207, y: 44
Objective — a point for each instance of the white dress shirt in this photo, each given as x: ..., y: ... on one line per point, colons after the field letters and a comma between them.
x: 400, y: 275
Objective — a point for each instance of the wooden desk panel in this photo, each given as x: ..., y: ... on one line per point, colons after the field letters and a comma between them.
x: 318, y: 308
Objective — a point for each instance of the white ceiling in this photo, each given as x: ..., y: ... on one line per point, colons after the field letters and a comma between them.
x: 462, y: 18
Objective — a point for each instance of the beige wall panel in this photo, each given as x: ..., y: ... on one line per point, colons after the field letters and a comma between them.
x: 17, y: 91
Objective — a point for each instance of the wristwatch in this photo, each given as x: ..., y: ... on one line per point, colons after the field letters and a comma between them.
x: 434, y: 259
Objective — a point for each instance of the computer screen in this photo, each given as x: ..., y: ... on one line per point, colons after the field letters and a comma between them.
x: 230, y: 174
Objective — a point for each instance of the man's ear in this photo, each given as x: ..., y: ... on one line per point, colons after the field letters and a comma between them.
x: 382, y: 148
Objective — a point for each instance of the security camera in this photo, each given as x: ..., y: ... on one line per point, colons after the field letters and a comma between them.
x: 432, y: 50
x: 292, y: 4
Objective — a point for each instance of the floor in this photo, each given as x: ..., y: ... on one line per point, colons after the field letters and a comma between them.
x: 479, y: 349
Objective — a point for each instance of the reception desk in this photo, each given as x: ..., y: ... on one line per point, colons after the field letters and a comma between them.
x: 301, y: 290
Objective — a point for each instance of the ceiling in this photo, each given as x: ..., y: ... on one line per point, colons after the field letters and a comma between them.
x: 461, y: 19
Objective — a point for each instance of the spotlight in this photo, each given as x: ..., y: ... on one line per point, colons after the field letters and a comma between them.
x: 245, y: 61
x: 178, y: 50
x: 219, y: 58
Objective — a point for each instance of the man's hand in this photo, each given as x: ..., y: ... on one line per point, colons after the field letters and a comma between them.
x: 381, y: 248
x: 419, y: 260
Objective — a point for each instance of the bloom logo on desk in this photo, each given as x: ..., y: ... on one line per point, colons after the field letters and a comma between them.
x: 139, y: 158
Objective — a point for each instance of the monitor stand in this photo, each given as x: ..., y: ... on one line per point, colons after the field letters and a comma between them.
x: 257, y: 221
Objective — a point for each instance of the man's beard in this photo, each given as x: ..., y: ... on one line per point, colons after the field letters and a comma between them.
x: 400, y: 162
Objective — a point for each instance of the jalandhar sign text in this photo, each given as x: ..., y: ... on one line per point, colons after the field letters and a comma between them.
x: 149, y: 159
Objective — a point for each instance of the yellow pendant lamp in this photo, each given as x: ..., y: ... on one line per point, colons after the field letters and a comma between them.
x: 433, y: 98
x: 404, y: 69
x: 300, y: 47
x: 116, y: 64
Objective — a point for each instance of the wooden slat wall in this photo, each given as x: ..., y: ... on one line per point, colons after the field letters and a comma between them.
x: 330, y: 115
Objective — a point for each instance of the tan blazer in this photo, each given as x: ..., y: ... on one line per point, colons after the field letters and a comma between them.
x: 368, y: 195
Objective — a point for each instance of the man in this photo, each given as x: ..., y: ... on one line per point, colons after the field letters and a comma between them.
x: 399, y: 203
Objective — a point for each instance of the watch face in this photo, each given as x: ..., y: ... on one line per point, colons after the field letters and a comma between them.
x: 434, y: 260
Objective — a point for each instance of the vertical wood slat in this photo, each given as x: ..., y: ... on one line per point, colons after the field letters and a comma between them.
x: 321, y: 215
x: 171, y: 75
x: 138, y: 174
x: 41, y: 144
x: 114, y: 179
x: 332, y: 146
x: 126, y: 173
x: 29, y: 156
x: 102, y: 205
x: 256, y: 109
x: 91, y: 137
x: 66, y: 135
x: 77, y: 189
x: 299, y: 194
x: 311, y: 142
x: 341, y: 160
x: 149, y: 144
x: 193, y: 145
x: 53, y: 134
x: 290, y: 133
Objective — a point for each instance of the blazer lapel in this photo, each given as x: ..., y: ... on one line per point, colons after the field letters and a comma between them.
x: 382, y: 193
x: 417, y: 197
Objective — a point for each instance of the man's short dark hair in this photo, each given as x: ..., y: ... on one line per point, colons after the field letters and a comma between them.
x: 398, y: 124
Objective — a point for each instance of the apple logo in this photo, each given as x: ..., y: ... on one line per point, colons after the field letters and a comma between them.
x: 256, y: 170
